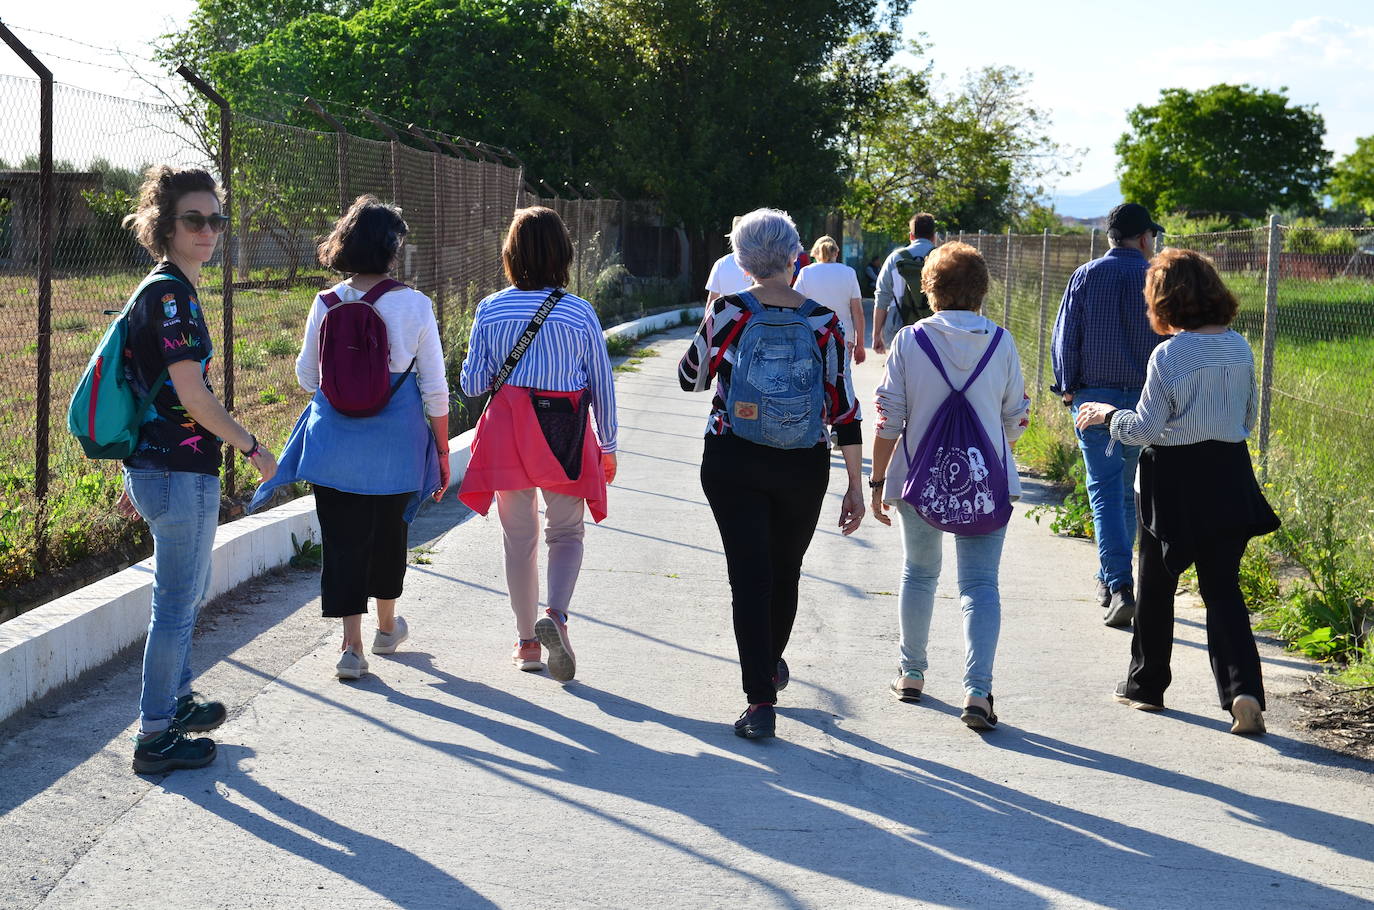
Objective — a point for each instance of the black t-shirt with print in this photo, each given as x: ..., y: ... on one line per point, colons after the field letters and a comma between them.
x: 167, y: 326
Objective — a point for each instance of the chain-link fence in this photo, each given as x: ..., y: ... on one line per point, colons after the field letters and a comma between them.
x: 288, y: 186
x: 1310, y: 321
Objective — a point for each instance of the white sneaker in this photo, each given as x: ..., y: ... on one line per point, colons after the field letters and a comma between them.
x: 351, y: 665
x: 386, y: 642
x: 1249, y: 720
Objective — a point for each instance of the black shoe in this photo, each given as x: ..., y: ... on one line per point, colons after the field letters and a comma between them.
x: 1104, y: 594
x: 198, y: 716
x: 170, y: 750
x: 975, y: 718
x: 1120, y: 609
x: 757, y: 722
x: 783, y: 675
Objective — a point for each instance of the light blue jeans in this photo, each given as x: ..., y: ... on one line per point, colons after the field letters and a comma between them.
x: 979, y: 557
x: 182, y: 511
x: 1111, y: 489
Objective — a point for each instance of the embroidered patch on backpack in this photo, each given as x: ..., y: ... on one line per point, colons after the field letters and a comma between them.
x: 746, y: 410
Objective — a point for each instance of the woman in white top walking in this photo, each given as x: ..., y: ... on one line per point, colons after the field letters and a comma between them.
x: 835, y: 286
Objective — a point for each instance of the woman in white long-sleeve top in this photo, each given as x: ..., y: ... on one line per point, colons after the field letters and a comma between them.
x: 1199, y: 503
x: 980, y: 358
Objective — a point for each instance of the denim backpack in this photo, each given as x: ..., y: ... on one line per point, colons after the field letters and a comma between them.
x: 105, y: 414
x: 355, y: 356
x: 956, y: 480
x: 777, y: 388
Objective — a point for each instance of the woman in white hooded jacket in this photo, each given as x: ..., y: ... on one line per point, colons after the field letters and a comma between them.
x: 955, y: 279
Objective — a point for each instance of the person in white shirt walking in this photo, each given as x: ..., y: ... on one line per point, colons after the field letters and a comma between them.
x: 835, y: 285
x: 726, y: 276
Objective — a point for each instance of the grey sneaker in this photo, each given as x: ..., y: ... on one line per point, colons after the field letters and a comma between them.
x: 552, y: 631
x: 386, y: 642
x: 1120, y: 609
x: 351, y: 665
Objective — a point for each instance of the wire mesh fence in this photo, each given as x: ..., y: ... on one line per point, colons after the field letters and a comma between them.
x: 289, y: 186
x: 1316, y: 308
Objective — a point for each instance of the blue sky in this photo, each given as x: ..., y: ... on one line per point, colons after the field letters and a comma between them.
x: 1091, y: 61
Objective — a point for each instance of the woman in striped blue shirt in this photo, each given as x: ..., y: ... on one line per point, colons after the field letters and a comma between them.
x: 1196, y: 493
x: 536, y: 432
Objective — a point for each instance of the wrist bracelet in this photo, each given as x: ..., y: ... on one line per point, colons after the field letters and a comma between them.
x: 255, y: 450
x: 875, y: 483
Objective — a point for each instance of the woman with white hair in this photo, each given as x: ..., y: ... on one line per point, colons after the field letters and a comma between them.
x: 778, y: 361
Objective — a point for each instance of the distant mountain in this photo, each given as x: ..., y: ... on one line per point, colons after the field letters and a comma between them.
x: 1091, y: 204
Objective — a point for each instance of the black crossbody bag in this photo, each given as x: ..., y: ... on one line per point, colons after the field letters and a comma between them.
x: 563, y: 423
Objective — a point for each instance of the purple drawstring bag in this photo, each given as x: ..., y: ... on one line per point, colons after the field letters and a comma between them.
x: 956, y: 480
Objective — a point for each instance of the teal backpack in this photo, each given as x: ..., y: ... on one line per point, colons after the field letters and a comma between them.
x: 105, y: 415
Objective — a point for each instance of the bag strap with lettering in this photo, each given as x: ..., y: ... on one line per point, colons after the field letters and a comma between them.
x: 526, y: 339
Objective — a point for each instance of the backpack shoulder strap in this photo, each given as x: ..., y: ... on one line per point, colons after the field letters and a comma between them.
x: 375, y: 292
x: 751, y: 303
x: 924, y: 341
x: 807, y: 308
x: 987, y: 355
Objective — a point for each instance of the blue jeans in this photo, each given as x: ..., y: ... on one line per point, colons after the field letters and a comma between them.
x: 1111, y: 488
x: 182, y: 511
x: 979, y: 557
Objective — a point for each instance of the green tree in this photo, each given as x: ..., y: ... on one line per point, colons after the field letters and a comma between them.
x: 975, y: 158
x: 1352, y: 179
x: 1232, y: 149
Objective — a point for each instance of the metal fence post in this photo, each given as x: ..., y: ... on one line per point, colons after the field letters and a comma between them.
x: 1271, y: 320
x: 1044, y: 313
x: 1092, y: 244
x: 226, y: 172
x: 1006, y: 289
x: 43, y: 385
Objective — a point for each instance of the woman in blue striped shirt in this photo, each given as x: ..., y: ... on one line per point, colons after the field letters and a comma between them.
x: 1196, y: 493
x: 564, y: 369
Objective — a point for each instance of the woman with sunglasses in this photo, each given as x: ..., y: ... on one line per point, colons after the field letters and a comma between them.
x: 172, y: 478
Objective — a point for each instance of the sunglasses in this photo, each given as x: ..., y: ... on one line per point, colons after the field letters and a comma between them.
x: 197, y: 222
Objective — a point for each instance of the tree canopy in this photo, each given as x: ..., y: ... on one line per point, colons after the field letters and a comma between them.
x: 1352, y: 179
x: 712, y: 106
x: 974, y: 157
x: 1232, y: 149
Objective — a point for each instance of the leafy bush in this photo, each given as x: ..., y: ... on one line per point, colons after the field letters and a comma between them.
x: 1074, y: 516
x: 1308, y: 235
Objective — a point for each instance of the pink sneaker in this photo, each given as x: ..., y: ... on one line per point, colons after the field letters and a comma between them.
x: 552, y: 630
x: 526, y: 655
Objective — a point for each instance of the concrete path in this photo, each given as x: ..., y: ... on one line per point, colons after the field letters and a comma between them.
x: 448, y: 779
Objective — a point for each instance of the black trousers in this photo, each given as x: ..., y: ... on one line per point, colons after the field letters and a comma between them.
x: 1230, y: 643
x: 365, y: 543
x: 766, y: 502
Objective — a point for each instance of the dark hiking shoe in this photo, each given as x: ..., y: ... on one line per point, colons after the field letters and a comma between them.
x: 757, y: 722
x: 783, y: 675
x: 976, y: 718
x: 196, y: 716
x: 1120, y: 609
x: 1104, y: 594
x: 172, y: 750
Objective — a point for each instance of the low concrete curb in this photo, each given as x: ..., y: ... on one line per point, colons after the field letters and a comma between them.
x: 54, y: 644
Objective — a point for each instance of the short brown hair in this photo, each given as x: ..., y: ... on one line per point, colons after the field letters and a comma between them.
x: 155, y: 219
x: 366, y: 239
x: 923, y: 225
x: 1184, y: 291
x: 825, y: 249
x: 955, y: 277
x: 538, y: 251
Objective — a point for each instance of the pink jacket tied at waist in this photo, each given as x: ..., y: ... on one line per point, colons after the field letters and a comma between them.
x: 509, y: 453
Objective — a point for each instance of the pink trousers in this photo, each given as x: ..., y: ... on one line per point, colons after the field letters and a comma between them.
x: 518, y: 511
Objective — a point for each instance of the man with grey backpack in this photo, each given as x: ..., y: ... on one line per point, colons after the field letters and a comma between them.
x: 899, y: 299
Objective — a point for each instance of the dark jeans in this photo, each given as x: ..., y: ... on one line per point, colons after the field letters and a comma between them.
x: 1230, y: 643
x: 365, y: 542
x: 766, y: 502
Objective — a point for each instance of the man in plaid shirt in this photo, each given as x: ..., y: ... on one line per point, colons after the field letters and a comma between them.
x: 1102, y: 345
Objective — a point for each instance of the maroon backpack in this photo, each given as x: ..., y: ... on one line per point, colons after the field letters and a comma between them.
x: 355, y: 357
